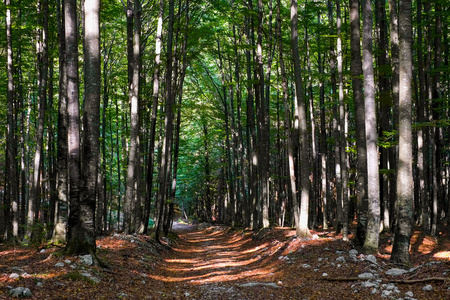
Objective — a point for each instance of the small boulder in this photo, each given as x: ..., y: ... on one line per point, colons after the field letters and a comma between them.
x: 59, y: 265
x: 372, y: 259
x: 87, y: 259
x: 396, y: 272
x: 20, y: 292
x: 365, y: 275
x: 428, y: 288
x: 341, y: 259
x: 14, y: 276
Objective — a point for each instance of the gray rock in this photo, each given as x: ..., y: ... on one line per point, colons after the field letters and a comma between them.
x: 306, y: 266
x: 14, y: 276
x: 39, y: 284
x: 67, y: 261
x: 428, y: 288
x: 20, y: 292
x: 42, y: 251
x: 353, y: 252
x: 386, y: 293
x: 369, y: 284
x: 122, y: 295
x: 409, y: 294
x: 59, y: 265
x: 396, y: 272
x: 365, y: 276
x: 324, y: 274
x: 372, y: 259
x: 341, y: 259
x: 374, y: 291
x: 87, y: 259
x: 251, y: 284
x: 339, y: 252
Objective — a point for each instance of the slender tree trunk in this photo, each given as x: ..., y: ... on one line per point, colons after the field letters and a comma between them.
x: 302, y: 224
x: 342, y: 125
x: 73, y: 125
x: 11, y: 197
x: 59, y: 233
x: 168, y: 126
x: 42, y: 65
x: 373, y: 213
x: 151, y: 146
x: 405, y: 186
x: 132, y: 191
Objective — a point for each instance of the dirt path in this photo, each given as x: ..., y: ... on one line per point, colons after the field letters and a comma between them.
x: 212, y: 263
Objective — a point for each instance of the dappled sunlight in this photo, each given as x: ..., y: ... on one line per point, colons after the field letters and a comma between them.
x: 444, y: 255
x: 214, y: 256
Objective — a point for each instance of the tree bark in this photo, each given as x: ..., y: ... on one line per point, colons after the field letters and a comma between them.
x: 73, y: 113
x: 373, y: 213
x: 302, y: 222
x: 405, y: 186
x: 62, y: 209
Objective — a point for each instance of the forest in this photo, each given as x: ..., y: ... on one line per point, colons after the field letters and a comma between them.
x: 125, y: 116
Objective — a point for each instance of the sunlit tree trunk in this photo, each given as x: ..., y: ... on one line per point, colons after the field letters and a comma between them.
x: 84, y: 235
x: 10, y: 232
x: 405, y: 186
x: 373, y: 212
x: 168, y: 127
x: 342, y: 126
x: 302, y: 220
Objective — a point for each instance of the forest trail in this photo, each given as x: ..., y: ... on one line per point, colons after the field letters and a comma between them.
x: 217, y: 262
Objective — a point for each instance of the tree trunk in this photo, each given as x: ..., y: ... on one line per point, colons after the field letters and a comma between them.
x: 42, y: 65
x: 11, y: 197
x: 61, y: 214
x: 373, y: 213
x: 84, y: 233
x: 302, y: 223
x: 405, y: 186
x: 73, y: 125
x: 132, y: 191
x: 168, y: 127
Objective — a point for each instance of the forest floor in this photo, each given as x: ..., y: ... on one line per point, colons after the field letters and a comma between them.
x: 217, y: 262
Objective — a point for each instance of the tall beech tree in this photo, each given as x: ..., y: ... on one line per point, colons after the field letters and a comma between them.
x: 301, y: 221
x: 405, y: 186
x: 373, y: 190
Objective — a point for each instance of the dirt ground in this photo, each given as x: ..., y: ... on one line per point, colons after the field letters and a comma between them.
x: 216, y: 262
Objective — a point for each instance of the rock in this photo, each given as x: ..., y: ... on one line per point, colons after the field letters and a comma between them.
x: 427, y: 288
x: 187, y: 294
x: 341, y: 259
x: 369, y: 284
x: 339, y: 252
x: 251, y: 284
x: 315, y: 237
x: 409, y: 294
x: 306, y: 266
x: 374, y: 291
x: 39, y: 284
x: 14, y: 276
x: 324, y: 274
x: 67, y: 261
x: 59, y: 265
x: 372, y: 259
x: 20, y: 292
x: 365, y: 276
x: 87, y: 259
x: 353, y: 252
x: 122, y: 295
x: 396, y: 272
x: 386, y: 293
x: 42, y: 251
x: 320, y: 259
x: 279, y: 282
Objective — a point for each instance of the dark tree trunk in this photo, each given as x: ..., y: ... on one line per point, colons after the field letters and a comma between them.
x: 61, y: 214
